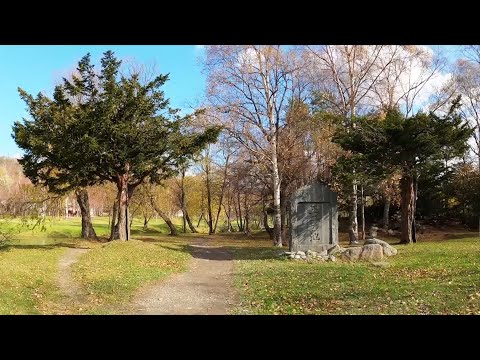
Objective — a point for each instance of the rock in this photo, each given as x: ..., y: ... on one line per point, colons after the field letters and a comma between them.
x: 322, y: 253
x: 297, y: 256
x: 320, y: 258
x: 334, y: 250
x: 388, y: 250
x: 303, y: 256
x: 289, y: 253
x: 372, y: 252
x: 323, y: 257
x: 332, y: 258
x: 300, y: 253
x: 352, y: 253
x: 373, y: 231
x: 311, y: 253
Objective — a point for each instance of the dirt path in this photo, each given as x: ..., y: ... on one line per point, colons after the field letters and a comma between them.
x: 206, y: 288
x: 73, y: 295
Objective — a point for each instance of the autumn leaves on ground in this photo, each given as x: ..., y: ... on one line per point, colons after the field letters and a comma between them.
x: 437, y: 276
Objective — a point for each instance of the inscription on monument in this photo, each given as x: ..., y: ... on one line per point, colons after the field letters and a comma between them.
x: 313, y: 218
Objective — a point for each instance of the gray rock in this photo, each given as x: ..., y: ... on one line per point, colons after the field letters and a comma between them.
x: 352, y: 253
x: 320, y: 258
x: 335, y: 249
x: 300, y: 253
x: 332, y: 258
x: 303, y: 256
x: 311, y: 253
x: 373, y: 231
x: 390, y: 232
x: 372, y: 252
x: 322, y: 253
x: 388, y: 250
x: 297, y: 256
x: 289, y: 253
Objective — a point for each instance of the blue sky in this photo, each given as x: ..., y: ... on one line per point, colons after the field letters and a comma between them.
x: 38, y: 68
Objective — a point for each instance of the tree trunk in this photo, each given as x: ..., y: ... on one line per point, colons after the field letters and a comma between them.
x: 362, y: 213
x: 221, y: 194
x: 114, y: 224
x: 408, y: 203
x: 145, y: 223
x: 123, y: 221
x: 173, y: 230
x: 189, y: 222
x: 414, y: 225
x: 277, y: 216
x: 386, y: 213
x: 239, y: 214
x: 209, y: 199
x: 66, y: 208
x: 283, y: 216
x: 88, y: 231
x: 267, y: 227
x: 182, y: 201
x: 200, y: 219
x: 247, y: 217
x: 227, y: 214
x: 353, y: 228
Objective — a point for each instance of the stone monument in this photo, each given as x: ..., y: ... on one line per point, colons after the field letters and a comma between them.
x: 313, y: 219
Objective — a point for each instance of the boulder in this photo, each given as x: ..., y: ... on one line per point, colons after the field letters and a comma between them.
x: 311, y: 253
x: 352, y: 253
x: 332, y: 258
x: 388, y: 250
x: 300, y: 253
x: 372, y: 252
x: 335, y: 249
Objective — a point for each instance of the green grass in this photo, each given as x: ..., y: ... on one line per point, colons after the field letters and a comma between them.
x: 112, y: 273
x: 55, y: 230
x: 441, y: 277
x: 27, y: 281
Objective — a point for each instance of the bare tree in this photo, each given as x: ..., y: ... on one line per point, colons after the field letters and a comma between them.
x: 467, y: 77
x: 248, y: 89
x: 346, y: 76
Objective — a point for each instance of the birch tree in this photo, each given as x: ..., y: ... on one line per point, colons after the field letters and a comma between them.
x: 248, y: 89
x: 345, y: 77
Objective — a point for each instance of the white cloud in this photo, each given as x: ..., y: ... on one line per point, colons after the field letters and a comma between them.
x: 199, y: 47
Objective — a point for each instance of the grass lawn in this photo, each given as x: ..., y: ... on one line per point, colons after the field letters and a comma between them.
x: 435, y: 277
x: 112, y: 273
x: 27, y: 281
x: 439, y: 275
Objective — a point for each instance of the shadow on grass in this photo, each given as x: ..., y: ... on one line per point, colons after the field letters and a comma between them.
x: 225, y: 253
x: 460, y: 236
x: 6, y: 248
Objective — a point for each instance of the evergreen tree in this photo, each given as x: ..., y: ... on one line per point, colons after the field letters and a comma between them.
x: 407, y: 144
x: 106, y: 127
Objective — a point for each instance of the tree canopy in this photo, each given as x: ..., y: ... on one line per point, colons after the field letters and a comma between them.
x: 106, y: 126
